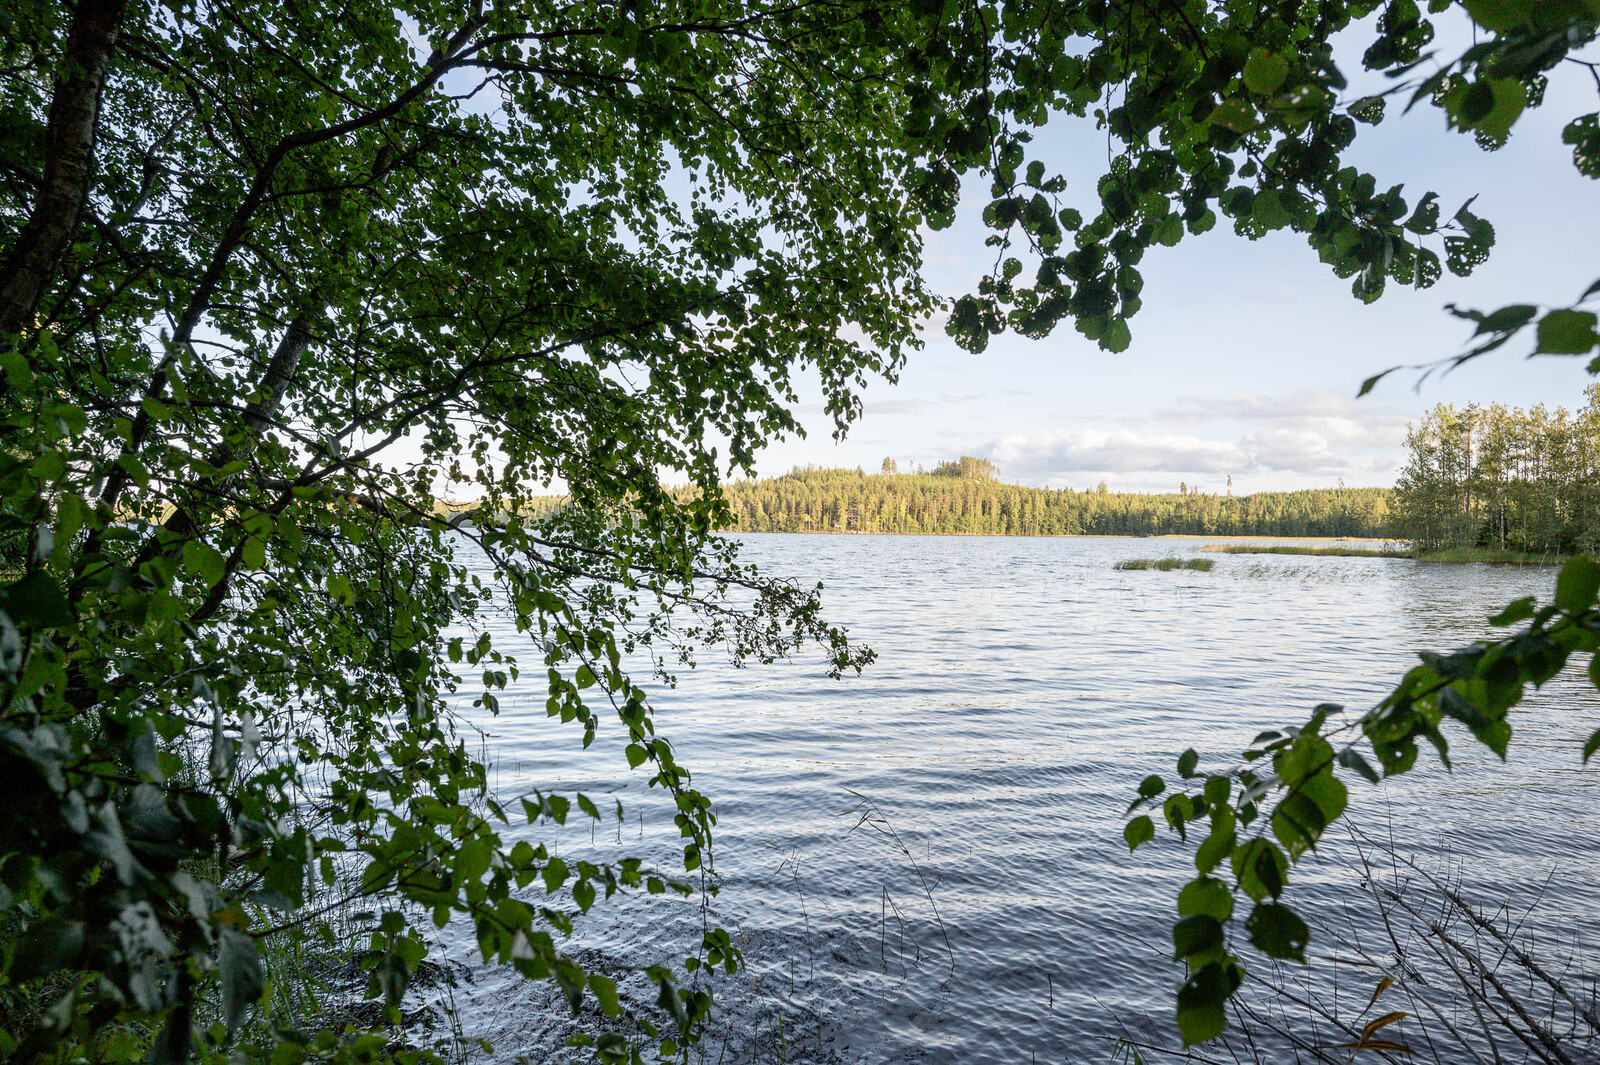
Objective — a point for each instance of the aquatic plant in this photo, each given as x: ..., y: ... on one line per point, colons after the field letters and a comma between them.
x: 1494, y: 556
x: 1420, y: 973
x: 1201, y: 565
x: 1338, y: 551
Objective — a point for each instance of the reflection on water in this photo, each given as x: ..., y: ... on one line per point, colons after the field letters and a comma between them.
x: 1022, y: 687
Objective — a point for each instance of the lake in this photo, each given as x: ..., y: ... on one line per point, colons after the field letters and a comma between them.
x: 1022, y: 689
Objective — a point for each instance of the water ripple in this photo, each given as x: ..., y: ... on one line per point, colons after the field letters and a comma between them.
x: 1022, y: 688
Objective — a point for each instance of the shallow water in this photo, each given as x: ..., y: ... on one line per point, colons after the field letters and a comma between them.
x: 1022, y: 688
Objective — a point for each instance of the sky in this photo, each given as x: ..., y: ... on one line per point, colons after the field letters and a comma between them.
x: 1247, y: 355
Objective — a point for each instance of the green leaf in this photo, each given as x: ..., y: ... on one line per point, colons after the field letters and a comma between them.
x: 1187, y: 761
x: 584, y: 677
x: 1264, y: 72
x: 36, y: 601
x: 1197, y: 934
x: 15, y: 364
x: 1593, y: 743
x: 1117, y: 336
x: 253, y: 553
x: 1261, y: 869
x: 204, y: 561
x: 1278, y: 932
x: 1350, y: 758
x: 555, y: 874
x: 605, y: 993
x: 1308, y: 808
x: 339, y: 588
x: 1372, y: 382
x: 1140, y: 830
x: 47, y: 948
x: 1235, y: 115
x: 1151, y: 786
x: 1500, y: 15
x: 1567, y: 332
x: 1506, y: 319
x: 157, y: 410
x: 1216, y: 847
x: 1510, y: 99
x: 50, y: 466
x: 636, y: 755
x: 1201, y: 1002
x: 1206, y: 896
x: 473, y: 860
x: 1583, y: 133
x: 1578, y: 584
x: 1520, y: 610
x: 243, y: 979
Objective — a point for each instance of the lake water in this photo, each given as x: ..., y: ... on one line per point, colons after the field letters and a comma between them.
x: 1022, y: 689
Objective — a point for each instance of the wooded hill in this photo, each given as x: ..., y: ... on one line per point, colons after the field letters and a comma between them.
x: 841, y: 500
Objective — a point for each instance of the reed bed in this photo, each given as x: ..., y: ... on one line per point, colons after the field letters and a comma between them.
x: 1488, y: 555
x: 1340, y: 551
x: 1493, y: 556
x: 1200, y: 565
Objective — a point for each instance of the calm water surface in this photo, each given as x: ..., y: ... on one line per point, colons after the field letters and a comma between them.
x: 1022, y: 688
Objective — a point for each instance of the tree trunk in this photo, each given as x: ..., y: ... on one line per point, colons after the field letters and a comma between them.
x: 68, y: 163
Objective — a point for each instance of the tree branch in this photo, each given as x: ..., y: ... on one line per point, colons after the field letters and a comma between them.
x: 69, y: 163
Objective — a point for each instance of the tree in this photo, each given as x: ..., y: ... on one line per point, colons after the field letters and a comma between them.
x: 966, y: 468
x: 270, y: 280
x: 1521, y: 485
x: 890, y: 467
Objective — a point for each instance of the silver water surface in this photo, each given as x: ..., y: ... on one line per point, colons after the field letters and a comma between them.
x: 987, y: 910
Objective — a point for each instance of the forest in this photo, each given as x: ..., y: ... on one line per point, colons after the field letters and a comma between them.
x: 1503, y: 478
x: 946, y: 501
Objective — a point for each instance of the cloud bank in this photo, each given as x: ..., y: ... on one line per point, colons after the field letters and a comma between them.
x: 1317, y: 435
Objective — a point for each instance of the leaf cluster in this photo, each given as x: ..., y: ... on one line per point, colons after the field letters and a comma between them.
x: 1252, y: 824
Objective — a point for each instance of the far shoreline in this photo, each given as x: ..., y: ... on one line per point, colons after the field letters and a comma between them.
x: 1304, y: 546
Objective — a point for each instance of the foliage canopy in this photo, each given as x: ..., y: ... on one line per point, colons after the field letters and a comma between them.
x: 269, y: 277
x: 1504, y: 478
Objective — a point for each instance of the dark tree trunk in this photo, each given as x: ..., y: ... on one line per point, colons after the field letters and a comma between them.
x: 68, y: 162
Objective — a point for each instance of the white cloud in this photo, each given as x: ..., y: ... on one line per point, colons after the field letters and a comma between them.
x: 1308, y: 404
x: 1314, y: 431
x: 894, y: 406
x: 1295, y: 451
x: 1043, y: 454
x: 1309, y: 444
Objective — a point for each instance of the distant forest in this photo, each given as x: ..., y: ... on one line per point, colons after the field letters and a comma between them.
x: 1510, y: 479
x: 963, y: 496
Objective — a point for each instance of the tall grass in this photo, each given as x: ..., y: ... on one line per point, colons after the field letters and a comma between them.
x: 1448, y: 554
x: 1491, y: 555
x: 1202, y: 565
x: 1415, y: 971
x: 1301, y: 549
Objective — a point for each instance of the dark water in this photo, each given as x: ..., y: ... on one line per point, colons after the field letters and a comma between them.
x: 1022, y: 688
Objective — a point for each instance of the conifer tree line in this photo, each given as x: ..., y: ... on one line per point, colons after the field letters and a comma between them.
x: 845, y: 500
x: 1506, y: 478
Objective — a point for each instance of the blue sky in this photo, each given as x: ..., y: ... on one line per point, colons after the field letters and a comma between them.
x: 1247, y: 355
